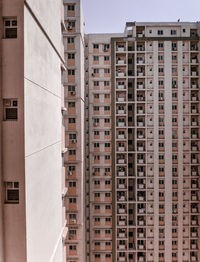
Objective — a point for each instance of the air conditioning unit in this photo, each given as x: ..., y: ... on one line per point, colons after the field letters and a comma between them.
x: 74, y: 141
x: 73, y: 220
x: 95, y: 124
x: 69, y: 27
x: 69, y: 173
x: 70, y: 237
x: 73, y: 93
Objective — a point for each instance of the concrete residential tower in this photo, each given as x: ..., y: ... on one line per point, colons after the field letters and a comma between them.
x: 32, y: 57
x: 142, y: 175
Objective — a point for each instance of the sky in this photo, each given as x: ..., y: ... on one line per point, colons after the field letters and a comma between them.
x: 110, y: 16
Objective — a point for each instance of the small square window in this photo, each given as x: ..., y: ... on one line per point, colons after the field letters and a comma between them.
x: 10, y: 28
x: 12, y: 192
x: 10, y: 109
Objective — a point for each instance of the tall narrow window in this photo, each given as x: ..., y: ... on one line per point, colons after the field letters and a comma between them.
x: 10, y: 109
x: 10, y: 27
x: 12, y: 192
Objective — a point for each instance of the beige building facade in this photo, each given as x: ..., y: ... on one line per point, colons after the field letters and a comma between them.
x: 74, y: 99
x: 32, y: 221
x: 142, y: 94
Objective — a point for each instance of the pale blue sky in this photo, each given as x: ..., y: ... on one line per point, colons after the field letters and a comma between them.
x: 110, y: 16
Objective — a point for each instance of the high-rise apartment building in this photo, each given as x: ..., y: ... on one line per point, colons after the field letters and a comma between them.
x: 142, y: 144
x: 32, y: 227
x: 74, y: 129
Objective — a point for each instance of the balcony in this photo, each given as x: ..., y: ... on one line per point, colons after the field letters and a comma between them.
x: 140, y: 161
x: 121, y: 112
x: 141, y: 149
x: 121, y: 247
x: 121, y: 124
x: 121, y: 149
x: 121, y: 87
x: 121, y: 62
x: 141, y: 174
x: 121, y: 186
x: 121, y: 161
x: 120, y: 99
x: 140, y: 86
x: 120, y: 48
x: 140, y: 124
x: 120, y: 74
x: 121, y: 173
x: 121, y: 211
x: 122, y: 223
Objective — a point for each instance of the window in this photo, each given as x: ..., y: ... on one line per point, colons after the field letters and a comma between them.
x: 96, y: 46
x: 160, y: 45
x: 107, y: 144
x: 97, y: 219
x: 71, y: 7
x: 97, y: 243
x: 72, y: 200
x: 71, y: 56
x: 107, y: 207
x: 96, y: 83
x: 10, y: 109
x: 72, y: 247
x: 96, y: 157
x: 106, y: 120
x: 107, y: 182
x: 95, y: 58
x: 106, y: 70
x: 72, y: 120
x: 160, y: 82
x: 107, y: 194
x: 173, y: 32
x: 71, y: 72
x: 106, y: 133
x: 106, y: 58
x: 71, y: 88
x: 106, y: 96
x: 106, y: 108
x: 72, y: 152
x: 97, y: 255
x: 72, y: 136
x: 107, y: 157
x: 72, y: 216
x: 96, y: 133
x: 106, y: 83
x: 10, y: 27
x: 160, y: 32
x: 96, y: 108
x: 96, y: 70
x: 71, y: 104
x: 108, y: 255
x: 72, y: 168
x: 108, y: 219
x: 70, y: 40
x: 161, y: 70
x: 96, y: 96
x: 12, y: 192
x: 96, y: 194
x: 70, y: 25
x: 106, y: 47
x: 72, y: 184
x: 107, y: 231
x: 96, y: 207
x: 160, y: 58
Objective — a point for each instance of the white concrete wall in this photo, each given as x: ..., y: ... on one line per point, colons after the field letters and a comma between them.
x: 43, y: 162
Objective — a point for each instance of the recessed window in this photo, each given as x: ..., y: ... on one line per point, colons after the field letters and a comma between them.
x: 106, y: 58
x: 96, y: 46
x: 12, y: 192
x: 173, y: 32
x: 10, y: 27
x: 70, y: 40
x: 71, y: 56
x: 160, y: 32
x: 96, y: 58
x: 10, y: 109
x: 71, y: 72
x: 71, y: 7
